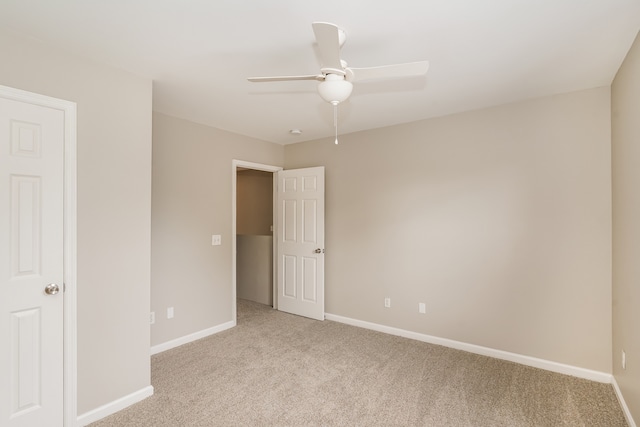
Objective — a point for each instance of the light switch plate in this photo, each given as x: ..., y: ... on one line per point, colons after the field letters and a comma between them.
x: 216, y: 240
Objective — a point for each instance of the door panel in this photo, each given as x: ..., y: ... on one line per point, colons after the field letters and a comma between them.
x: 289, y: 221
x: 31, y: 257
x: 289, y: 277
x: 300, y: 242
x: 309, y: 279
x: 25, y: 225
x: 26, y: 360
x: 309, y: 221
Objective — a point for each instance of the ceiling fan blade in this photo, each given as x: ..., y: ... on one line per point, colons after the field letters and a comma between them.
x: 409, y: 69
x: 328, y: 38
x: 318, y: 77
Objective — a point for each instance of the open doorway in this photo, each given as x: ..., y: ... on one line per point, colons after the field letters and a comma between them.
x: 254, y: 239
x: 253, y: 248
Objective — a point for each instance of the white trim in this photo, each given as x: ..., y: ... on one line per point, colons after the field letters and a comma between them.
x: 548, y: 365
x: 191, y: 337
x: 274, y: 250
x: 235, y: 164
x: 115, y: 406
x: 625, y: 408
x: 70, y: 267
x: 70, y: 241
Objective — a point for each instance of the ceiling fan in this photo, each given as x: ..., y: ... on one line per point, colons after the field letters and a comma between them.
x: 336, y: 77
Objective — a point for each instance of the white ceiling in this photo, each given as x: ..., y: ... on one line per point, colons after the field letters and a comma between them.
x: 200, y: 52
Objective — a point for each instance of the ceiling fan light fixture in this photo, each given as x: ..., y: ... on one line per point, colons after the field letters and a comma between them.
x: 335, y: 89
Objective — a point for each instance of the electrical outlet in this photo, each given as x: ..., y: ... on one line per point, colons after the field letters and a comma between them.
x: 216, y: 240
x: 422, y: 308
x: 387, y: 302
x: 170, y: 313
x: 152, y: 318
x: 624, y: 360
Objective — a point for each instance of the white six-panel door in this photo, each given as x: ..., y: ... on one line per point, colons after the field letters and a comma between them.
x: 300, y: 242
x: 31, y: 264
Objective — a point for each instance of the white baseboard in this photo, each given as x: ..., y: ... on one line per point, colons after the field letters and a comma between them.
x: 484, y: 351
x: 625, y: 408
x: 191, y: 337
x: 113, y: 407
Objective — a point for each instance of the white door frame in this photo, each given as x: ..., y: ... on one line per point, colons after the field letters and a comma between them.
x: 70, y: 392
x: 235, y: 164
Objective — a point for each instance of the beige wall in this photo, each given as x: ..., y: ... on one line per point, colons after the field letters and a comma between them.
x: 114, y: 199
x: 254, y: 275
x: 498, y: 219
x: 254, y: 210
x: 625, y: 98
x: 192, y: 173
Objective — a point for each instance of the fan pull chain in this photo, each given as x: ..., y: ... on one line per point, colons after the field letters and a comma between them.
x: 335, y: 119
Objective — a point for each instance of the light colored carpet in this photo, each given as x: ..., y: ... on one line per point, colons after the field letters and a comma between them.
x: 276, y: 369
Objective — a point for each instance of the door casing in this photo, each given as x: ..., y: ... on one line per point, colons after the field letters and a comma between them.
x: 235, y: 164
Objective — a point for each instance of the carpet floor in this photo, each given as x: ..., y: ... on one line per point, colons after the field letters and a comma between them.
x: 276, y: 369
